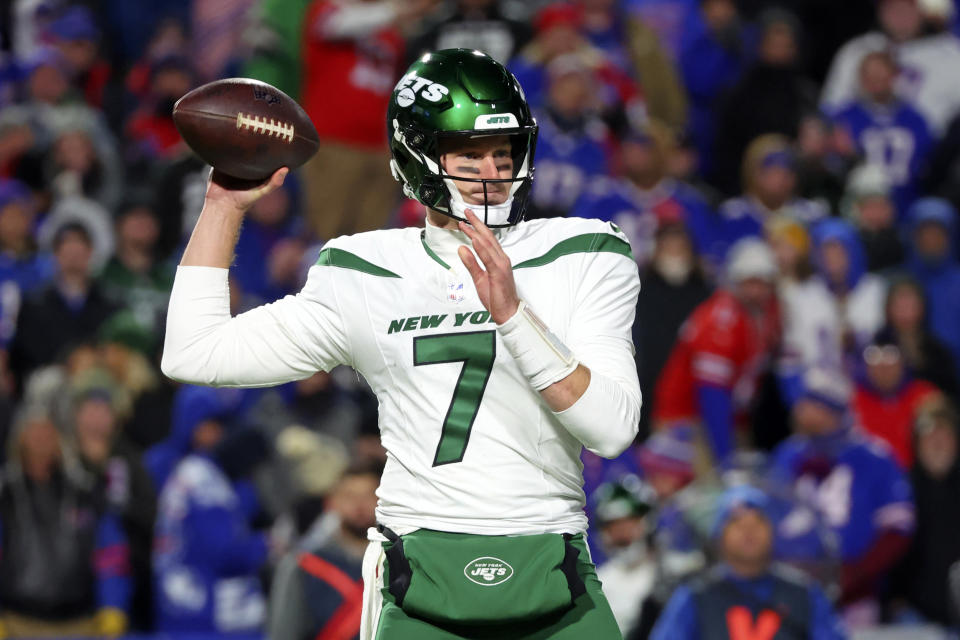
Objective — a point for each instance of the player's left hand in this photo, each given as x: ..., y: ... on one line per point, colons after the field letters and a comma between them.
x: 495, y: 284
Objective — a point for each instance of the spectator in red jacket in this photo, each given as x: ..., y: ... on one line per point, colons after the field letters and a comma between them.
x: 887, y: 398
x: 724, y: 346
x: 352, y: 53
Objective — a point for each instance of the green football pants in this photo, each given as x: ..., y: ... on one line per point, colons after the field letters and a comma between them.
x: 589, y: 618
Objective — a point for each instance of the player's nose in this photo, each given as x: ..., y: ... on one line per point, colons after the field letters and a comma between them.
x: 488, y: 168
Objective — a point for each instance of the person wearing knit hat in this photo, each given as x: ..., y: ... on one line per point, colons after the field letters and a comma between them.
x: 630, y: 572
x: 724, y: 344
x: 811, y: 327
x: 745, y: 593
x: 868, y: 204
x: 866, y: 503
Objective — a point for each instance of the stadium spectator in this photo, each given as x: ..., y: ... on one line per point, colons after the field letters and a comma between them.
x: 122, y: 479
x: 745, y: 596
x: 472, y: 24
x: 558, y: 36
x: 645, y: 197
x: 771, y: 97
x: 667, y: 19
x: 769, y: 187
x: 942, y: 178
x: 267, y: 266
x: 907, y: 324
x: 79, y: 164
x: 217, y: 30
x: 150, y: 132
x: 275, y: 36
x: 23, y: 269
x: 134, y: 278
x: 607, y: 26
x: 206, y: 557
x: 889, y: 132
x: 630, y: 571
x: 200, y: 416
x: 352, y: 55
x: 74, y: 33
x: 926, y: 63
x: 824, y: 156
x: 317, y: 590
x: 671, y: 287
x: 933, y: 262
x: 712, y: 57
x: 923, y: 578
x: 858, y: 295
x: 572, y: 149
x: 867, y: 204
x: 64, y: 567
x: 851, y: 482
x: 67, y: 311
x: 725, y: 345
x: 888, y: 399
x: 812, y: 333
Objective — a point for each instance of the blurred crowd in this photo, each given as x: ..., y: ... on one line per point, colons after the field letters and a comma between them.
x: 788, y: 173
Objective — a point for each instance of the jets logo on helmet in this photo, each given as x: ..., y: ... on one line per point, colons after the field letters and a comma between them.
x: 410, y: 86
x: 459, y: 94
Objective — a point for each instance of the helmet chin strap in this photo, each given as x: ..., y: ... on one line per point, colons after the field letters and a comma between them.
x: 498, y: 214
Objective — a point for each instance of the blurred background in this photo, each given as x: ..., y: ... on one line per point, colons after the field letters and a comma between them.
x: 788, y: 173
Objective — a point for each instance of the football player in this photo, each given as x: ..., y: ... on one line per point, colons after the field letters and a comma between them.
x: 497, y: 349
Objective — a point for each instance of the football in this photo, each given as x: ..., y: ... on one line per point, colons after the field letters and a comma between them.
x: 245, y: 128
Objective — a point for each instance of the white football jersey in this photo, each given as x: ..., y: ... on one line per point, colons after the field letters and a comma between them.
x: 471, y: 446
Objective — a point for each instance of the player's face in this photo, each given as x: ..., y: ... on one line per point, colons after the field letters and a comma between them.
x: 485, y: 158
x: 747, y: 539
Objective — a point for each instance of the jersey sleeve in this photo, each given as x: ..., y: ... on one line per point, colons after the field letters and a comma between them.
x: 600, y: 336
x: 286, y: 340
x: 894, y: 510
x: 716, y: 346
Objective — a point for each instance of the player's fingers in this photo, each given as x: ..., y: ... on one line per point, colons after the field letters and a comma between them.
x: 485, y: 232
x: 470, y: 263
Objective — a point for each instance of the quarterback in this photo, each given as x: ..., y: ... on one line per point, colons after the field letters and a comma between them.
x: 497, y: 349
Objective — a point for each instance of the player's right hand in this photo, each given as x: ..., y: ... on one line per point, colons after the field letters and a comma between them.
x: 234, y: 194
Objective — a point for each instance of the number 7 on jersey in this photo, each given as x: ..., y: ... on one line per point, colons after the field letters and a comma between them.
x: 476, y: 350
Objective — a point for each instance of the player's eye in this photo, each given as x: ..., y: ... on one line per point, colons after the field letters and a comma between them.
x: 470, y: 155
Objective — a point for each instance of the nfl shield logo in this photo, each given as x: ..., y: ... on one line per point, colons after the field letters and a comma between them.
x: 455, y: 292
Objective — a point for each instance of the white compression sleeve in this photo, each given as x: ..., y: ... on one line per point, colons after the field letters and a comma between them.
x: 541, y: 356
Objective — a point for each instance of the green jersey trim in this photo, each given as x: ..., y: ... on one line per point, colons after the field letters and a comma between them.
x: 332, y: 257
x: 585, y: 243
x: 430, y: 252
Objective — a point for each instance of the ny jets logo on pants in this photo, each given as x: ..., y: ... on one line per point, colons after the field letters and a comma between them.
x: 487, y: 571
x: 411, y: 85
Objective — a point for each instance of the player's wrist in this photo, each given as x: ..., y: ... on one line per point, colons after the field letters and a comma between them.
x: 507, y: 313
x: 541, y: 356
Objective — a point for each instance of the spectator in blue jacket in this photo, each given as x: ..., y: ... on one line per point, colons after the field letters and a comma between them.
x: 744, y: 596
x: 206, y: 558
x: 933, y: 262
x: 199, y: 414
x: 646, y: 198
x: 849, y: 481
x: 887, y: 130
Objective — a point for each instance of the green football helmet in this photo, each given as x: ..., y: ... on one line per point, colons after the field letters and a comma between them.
x: 457, y: 93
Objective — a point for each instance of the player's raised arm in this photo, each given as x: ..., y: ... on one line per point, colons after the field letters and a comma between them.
x: 593, y: 387
x: 287, y: 340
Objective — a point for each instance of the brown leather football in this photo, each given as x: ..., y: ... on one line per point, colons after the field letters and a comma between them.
x: 245, y: 128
